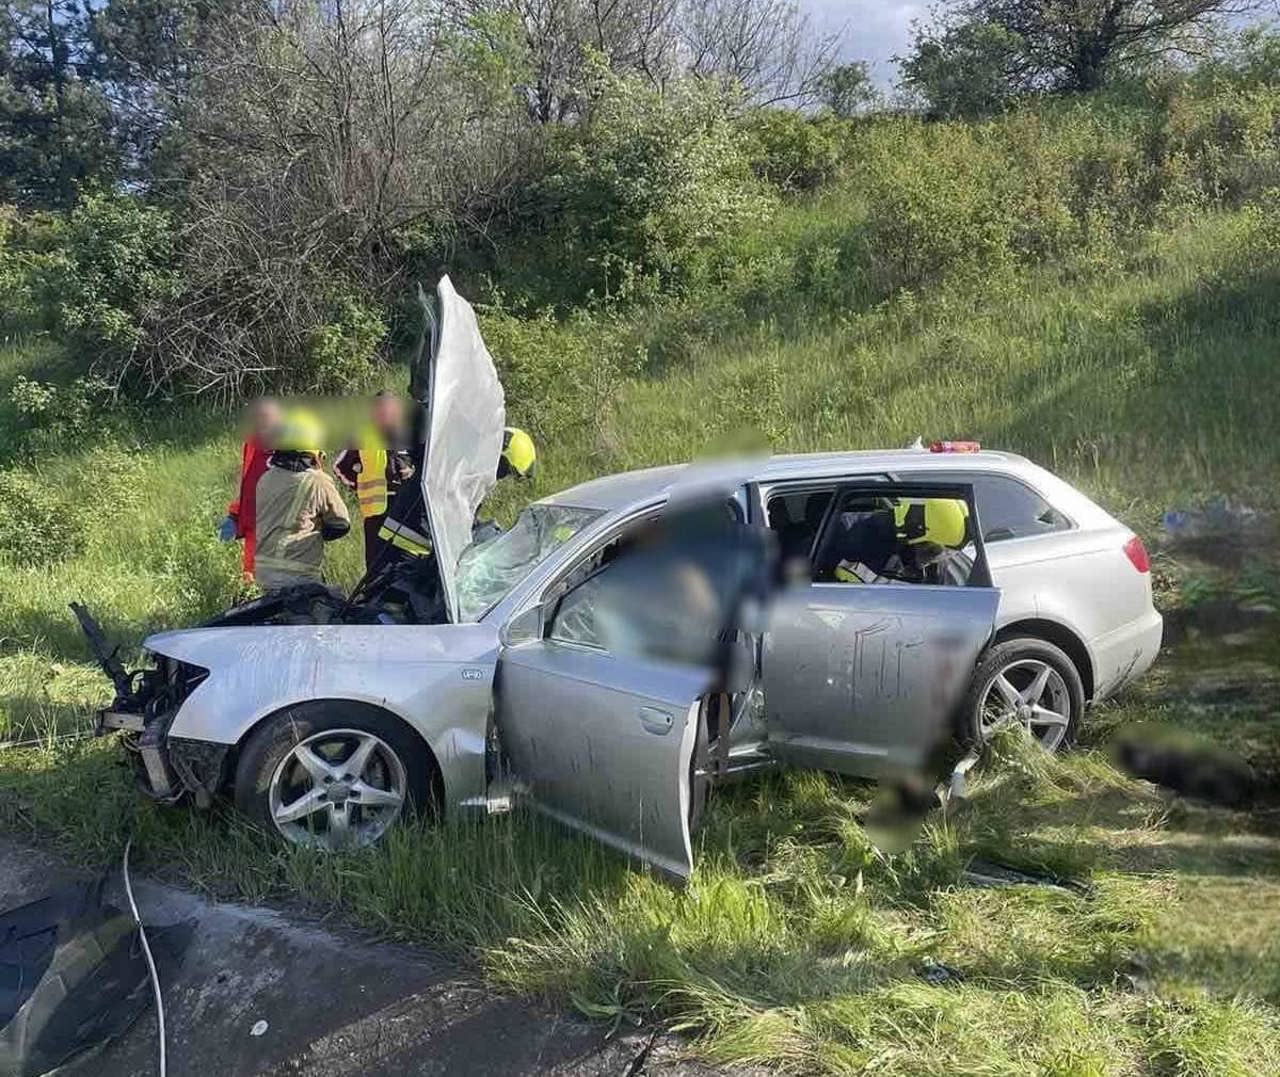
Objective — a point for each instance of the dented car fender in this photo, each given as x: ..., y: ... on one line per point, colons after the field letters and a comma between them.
x: 436, y: 678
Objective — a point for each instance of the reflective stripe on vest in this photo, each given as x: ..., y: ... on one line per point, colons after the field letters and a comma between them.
x: 371, y: 482
x: 854, y: 572
x: 405, y: 538
x: 286, y: 565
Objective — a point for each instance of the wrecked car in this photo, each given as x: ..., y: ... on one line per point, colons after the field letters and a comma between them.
x: 532, y: 689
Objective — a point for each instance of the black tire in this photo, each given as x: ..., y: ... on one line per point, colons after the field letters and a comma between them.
x: 276, y: 736
x: 1004, y: 654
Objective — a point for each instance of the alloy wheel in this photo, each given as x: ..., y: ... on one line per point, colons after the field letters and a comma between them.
x: 337, y: 789
x: 1028, y: 692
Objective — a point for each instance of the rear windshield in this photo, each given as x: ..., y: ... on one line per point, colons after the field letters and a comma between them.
x: 489, y: 570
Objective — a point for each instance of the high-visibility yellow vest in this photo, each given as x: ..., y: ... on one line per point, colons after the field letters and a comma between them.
x: 854, y: 572
x: 406, y: 538
x: 371, y: 482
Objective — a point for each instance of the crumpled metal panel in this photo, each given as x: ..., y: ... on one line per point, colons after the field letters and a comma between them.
x: 464, y: 433
x: 436, y: 677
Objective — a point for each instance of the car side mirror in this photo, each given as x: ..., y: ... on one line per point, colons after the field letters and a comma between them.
x: 524, y: 627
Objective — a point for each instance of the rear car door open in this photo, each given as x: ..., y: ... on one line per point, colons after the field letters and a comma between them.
x: 864, y: 678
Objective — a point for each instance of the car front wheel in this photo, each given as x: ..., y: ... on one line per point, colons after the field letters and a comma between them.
x: 1026, y: 682
x: 331, y: 775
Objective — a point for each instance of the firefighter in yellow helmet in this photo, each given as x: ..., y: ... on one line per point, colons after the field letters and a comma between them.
x: 909, y: 539
x: 519, y: 457
x: 405, y: 529
x: 299, y: 508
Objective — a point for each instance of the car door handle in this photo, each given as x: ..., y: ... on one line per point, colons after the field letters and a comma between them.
x: 655, y: 720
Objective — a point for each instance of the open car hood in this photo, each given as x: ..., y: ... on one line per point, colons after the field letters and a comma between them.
x: 455, y: 380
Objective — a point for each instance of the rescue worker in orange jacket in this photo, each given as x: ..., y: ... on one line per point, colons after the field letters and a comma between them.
x: 241, y: 519
x: 377, y: 467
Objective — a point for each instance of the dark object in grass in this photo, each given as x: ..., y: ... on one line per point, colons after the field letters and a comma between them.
x: 939, y: 975
x: 107, y: 656
x: 898, y: 812
x: 1220, y: 532
x: 987, y: 874
x: 72, y: 977
x: 1186, y: 764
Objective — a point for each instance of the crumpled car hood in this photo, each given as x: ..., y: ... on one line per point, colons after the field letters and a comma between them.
x: 464, y: 431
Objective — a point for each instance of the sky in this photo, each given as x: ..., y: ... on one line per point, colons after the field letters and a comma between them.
x: 874, y: 30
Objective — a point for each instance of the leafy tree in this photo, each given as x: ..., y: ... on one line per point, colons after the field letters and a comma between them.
x: 1077, y: 44
x: 149, y: 52
x: 848, y: 90
x: 636, y: 193
x: 54, y: 123
x: 967, y: 69
x: 1251, y: 57
x: 986, y: 51
x: 633, y: 36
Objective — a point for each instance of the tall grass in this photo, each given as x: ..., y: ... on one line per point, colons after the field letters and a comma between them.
x: 795, y: 944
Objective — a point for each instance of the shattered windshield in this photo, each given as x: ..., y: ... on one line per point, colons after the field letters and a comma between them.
x: 488, y: 570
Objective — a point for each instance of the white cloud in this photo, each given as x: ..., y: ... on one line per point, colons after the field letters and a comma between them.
x: 873, y: 30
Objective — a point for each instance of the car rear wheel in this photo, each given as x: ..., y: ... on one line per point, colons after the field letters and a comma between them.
x: 1030, y: 683
x: 332, y: 775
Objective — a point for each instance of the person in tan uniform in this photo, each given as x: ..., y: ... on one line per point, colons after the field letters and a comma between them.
x: 299, y: 508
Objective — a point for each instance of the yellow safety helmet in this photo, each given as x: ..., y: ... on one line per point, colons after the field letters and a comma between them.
x: 300, y: 431
x: 943, y: 521
x: 519, y: 457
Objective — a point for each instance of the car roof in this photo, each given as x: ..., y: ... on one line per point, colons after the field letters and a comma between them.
x: 627, y: 488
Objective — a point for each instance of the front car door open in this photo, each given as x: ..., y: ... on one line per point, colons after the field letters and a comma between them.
x: 605, y: 737
x: 862, y: 677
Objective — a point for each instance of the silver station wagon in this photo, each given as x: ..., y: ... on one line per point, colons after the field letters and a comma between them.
x: 329, y: 732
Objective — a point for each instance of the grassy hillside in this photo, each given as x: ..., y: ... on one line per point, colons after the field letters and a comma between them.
x: 1151, y: 388
x: 1145, y: 371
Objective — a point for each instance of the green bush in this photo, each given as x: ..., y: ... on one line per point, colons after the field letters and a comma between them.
x: 340, y: 354
x: 1078, y: 185
x: 1221, y: 147
x: 54, y: 417
x: 940, y: 201
x: 37, y: 527
x: 634, y: 196
x: 792, y: 151
x: 112, y: 266
x: 560, y: 377
x: 93, y: 276
x: 19, y: 310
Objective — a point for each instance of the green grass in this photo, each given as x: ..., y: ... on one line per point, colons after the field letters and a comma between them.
x: 796, y: 944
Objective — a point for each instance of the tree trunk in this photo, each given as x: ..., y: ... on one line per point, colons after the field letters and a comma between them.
x: 58, y: 69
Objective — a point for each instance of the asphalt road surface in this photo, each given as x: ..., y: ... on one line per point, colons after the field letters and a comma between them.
x: 333, y: 1003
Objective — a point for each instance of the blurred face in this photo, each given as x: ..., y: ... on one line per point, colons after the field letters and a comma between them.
x: 264, y: 419
x: 388, y: 414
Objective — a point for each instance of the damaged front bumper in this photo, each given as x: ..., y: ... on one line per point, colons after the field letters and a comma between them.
x: 142, y: 712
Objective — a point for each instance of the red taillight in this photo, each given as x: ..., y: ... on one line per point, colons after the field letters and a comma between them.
x: 955, y: 446
x: 1137, y: 554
